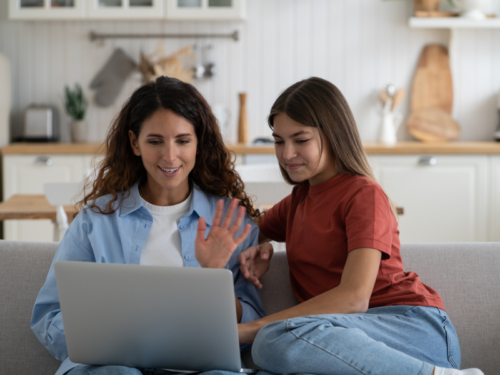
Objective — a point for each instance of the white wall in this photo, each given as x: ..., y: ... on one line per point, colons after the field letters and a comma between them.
x: 360, y: 45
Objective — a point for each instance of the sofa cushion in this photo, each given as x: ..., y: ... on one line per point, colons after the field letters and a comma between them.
x: 467, y: 277
x: 465, y: 274
x: 23, y: 270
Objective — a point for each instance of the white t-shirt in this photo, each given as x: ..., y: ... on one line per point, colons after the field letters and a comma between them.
x: 163, y: 245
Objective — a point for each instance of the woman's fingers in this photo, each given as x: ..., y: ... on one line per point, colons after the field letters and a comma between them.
x: 230, y: 212
x: 246, y: 231
x: 202, y: 226
x: 239, y: 219
x: 219, y: 209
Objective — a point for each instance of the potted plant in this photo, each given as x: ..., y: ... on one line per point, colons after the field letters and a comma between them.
x: 76, y: 106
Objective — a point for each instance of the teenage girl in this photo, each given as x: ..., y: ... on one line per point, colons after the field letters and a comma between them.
x: 163, y: 186
x: 358, y: 311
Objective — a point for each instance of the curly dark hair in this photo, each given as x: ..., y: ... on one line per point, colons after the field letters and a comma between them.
x: 214, y: 169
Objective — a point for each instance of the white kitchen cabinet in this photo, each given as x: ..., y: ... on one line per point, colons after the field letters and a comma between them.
x: 47, y: 9
x: 125, y: 9
x: 26, y: 174
x: 494, y: 199
x: 445, y: 198
x: 205, y: 9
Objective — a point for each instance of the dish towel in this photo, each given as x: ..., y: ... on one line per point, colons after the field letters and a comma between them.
x: 111, y: 78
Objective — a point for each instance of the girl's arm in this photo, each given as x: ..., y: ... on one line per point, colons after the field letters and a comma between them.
x: 351, y: 296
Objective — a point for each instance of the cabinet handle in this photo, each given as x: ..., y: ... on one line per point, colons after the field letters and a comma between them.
x: 45, y: 160
x: 427, y: 160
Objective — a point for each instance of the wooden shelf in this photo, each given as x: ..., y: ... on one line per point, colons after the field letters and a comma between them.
x: 450, y: 148
x: 400, y: 148
x: 27, y: 148
x: 453, y: 23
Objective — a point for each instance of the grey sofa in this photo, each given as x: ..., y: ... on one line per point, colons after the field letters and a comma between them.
x: 467, y: 275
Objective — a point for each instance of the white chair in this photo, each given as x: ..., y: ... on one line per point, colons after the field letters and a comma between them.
x: 59, y: 195
x: 265, y: 185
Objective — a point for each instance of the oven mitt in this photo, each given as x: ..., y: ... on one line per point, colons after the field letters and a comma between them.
x: 110, y: 80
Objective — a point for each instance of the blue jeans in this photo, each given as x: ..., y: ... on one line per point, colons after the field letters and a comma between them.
x: 122, y: 370
x: 396, y: 340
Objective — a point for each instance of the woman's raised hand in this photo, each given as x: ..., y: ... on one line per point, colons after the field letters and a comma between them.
x: 255, y: 261
x: 216, y: 250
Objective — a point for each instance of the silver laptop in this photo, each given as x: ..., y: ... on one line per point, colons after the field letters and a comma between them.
x: 148, y: 316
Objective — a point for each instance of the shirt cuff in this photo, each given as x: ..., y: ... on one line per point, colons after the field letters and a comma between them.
x: 370, y: 243
x: 248, y: 313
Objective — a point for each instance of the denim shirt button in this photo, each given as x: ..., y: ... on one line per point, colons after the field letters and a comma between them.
x: 182, y: 227
x: 187, y: 257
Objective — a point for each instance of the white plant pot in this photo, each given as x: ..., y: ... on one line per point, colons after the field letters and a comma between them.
x: 472, y: 9
x: 79, y: 131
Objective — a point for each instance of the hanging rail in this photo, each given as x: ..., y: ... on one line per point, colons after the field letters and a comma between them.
x: 100, y: 37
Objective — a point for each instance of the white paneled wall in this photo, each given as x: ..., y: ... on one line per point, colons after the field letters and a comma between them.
x: 360, y: 45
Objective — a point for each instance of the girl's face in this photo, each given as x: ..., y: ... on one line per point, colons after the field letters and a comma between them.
x: 167, y: 145
x: 298, y: 149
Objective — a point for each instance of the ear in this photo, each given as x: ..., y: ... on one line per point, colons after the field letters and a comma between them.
x: 134, y: 143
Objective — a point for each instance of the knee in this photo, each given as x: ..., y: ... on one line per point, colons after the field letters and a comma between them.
x: 280, y: 343
x: 268, y: 344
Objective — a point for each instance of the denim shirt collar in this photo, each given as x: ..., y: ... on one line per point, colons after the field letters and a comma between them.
x: 200, y: 204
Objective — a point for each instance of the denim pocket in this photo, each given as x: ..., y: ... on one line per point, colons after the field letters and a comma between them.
x: 454, y: 355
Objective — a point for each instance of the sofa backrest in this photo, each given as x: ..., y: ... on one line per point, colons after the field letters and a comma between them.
x: 23, y: 270
x: 466, y: 275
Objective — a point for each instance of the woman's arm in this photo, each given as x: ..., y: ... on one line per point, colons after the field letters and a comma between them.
x: 351, y: 296
x: 46, y: 319
x: 216, y: 250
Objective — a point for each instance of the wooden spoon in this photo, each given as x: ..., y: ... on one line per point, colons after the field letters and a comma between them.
x: 397, y: 98
x: 433, y: 125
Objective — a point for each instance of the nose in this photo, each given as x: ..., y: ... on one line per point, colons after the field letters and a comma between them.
x: 289, y: 151
x: 169, y: 153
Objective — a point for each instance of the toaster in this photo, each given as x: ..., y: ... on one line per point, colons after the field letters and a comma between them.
x: 41, y: 124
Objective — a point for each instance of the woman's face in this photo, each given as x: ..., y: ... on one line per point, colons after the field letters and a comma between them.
x: 167, y: 144
x: 298, y: 149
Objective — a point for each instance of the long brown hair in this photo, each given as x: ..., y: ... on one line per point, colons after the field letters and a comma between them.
x: 120, y: 169
x: 318, y: 103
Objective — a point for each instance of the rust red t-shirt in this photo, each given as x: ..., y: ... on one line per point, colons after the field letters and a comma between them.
x: 322, y: 223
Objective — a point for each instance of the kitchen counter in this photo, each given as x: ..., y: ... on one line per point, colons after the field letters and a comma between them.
x: 400, y: 148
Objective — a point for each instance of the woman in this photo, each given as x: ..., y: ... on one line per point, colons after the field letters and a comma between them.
x: 359, y: 312
x: 156, y: 197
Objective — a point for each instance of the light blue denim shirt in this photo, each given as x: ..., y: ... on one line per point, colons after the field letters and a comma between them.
x: 120, y: 238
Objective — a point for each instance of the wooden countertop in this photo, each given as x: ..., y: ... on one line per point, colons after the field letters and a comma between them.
x: 373, y: 148
x: 23, y: 207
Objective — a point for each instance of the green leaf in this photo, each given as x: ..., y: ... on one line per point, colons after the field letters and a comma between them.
x: 75, y: 104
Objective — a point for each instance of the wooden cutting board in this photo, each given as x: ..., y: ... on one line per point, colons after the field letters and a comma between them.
x: 433, y: 125
x: 432, y: 84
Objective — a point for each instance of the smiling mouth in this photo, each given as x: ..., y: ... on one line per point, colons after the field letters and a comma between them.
x: 293, y: 166
x: 172, y: 170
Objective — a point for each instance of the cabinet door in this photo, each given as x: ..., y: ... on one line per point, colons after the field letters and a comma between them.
x: 27, y: 175
x: 444, y: 197
x: 494, y: 202
x: 125, y: 9
x: 46, y: 9
x: 206, y: 9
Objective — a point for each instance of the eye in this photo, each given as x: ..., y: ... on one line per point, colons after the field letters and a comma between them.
x: 154, y: 142
x: 302, y: 140
x: 276, y: 142
x: 183, y: 141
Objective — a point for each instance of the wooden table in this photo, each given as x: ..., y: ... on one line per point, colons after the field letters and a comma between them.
x: 24, y: 206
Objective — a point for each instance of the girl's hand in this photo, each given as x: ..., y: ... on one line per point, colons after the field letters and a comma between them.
x: 216, y: 250
x: 255, y: 262
x: 247, y: 332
